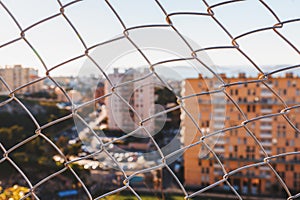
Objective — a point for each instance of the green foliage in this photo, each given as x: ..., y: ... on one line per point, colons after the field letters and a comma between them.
x: 164, y: 96
x: 47, y: 111
x: 9, y: 135
x: 74, y: 148
x: 35, y: 156
x: 43, y: 160
x: 62, y: 141
x: 16, y: 126
x: 21, y: 157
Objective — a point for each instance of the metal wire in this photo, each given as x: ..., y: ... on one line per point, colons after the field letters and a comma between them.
x: 211, y: 14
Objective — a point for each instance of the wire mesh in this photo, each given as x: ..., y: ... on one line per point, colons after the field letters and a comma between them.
x: 212, y: 14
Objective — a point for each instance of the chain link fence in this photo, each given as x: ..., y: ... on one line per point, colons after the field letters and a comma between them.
x: 211, y: 14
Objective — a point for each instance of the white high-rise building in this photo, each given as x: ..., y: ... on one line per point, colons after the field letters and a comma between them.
x: 139, y: 94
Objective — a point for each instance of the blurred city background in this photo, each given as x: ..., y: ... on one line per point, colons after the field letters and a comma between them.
x: 218, y: 123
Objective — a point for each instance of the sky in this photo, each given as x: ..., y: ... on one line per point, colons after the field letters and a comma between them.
x: 56, y: 42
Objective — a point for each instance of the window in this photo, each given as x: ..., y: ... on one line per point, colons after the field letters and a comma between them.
x: 278, y: 150
x: 278, y: 134
x: 235, y: 148
x: 248, y: 149
x: 282, y: 174
x: 287, y: 168
x: 248, y: 108
x: 296, y: 184
x: 199, y: 116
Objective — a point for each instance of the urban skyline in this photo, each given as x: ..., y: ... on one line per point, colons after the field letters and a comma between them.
x: 234, y: 147
x: 50, y: 48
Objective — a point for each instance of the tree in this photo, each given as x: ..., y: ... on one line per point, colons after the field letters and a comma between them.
x: 10, y: 136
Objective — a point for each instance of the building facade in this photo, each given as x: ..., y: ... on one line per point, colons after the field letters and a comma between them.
x: 16, y: 76
x: 139, y: 94
x: 235, y: 147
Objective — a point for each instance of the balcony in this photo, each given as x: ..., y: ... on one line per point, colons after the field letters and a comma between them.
x: 219, y: 149
x: 218, y: 172
x: 266, y: 93
x: 221, y: 141
x: 219, y: 102
x: 267, y: 119
x: 219, y: 94
x: 267, y: 151
x: 219, y: 110
x: 219, y: 118
x: 265, y: 176
x: 266, y: 143
x: 269, y: 83
x: 264, y: 168
x: 218, y: 126
x: 266, y: 110
x: 266, y: 135
x: 266, y: 127
x: 217, y: 165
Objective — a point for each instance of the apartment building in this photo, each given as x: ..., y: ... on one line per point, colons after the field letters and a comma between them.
x: 139, y: 94
x: 16, y: 76
x: 235, y: 147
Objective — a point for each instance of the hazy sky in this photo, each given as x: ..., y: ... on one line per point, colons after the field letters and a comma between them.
x: 56, y: 41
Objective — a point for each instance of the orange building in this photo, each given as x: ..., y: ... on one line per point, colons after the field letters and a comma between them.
x: 236, y: 145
